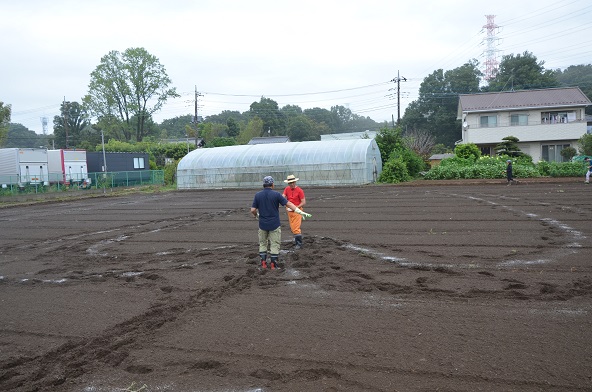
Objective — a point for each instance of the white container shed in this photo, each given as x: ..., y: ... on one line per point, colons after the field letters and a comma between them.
x: 67, y: 166
x: 317, y: 163
x: 23, y: 166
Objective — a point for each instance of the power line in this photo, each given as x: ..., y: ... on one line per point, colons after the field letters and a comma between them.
x: 537, y: 13
x: 297, y: 94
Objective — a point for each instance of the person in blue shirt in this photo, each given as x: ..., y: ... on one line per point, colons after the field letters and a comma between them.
x: 265, y: 208
x: 509, y: 173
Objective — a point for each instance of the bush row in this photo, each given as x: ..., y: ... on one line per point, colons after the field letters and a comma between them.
x: 495, y: 167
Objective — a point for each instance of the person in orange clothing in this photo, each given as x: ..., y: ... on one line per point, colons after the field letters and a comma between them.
x: 295, y: 194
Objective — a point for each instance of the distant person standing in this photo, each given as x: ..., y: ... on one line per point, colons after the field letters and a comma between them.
x: 588, y: 169
x: 509, y: 172
x: 295, y: 194
x: 265, y: 208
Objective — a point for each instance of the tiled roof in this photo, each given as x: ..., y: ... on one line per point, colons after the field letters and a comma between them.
x: 523, y: 99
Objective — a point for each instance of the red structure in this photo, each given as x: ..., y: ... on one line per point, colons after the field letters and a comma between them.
x: 491, y: 62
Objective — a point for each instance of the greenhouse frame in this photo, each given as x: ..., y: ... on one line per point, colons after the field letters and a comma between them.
x: 315, y: 163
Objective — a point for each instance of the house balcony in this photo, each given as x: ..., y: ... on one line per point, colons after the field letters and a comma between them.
x: 525, y: 133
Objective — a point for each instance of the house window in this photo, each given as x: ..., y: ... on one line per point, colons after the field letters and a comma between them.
x: 488, y: 121
x: 138, y: 163
x: 518, y: 119
x: 487, y: 151
x: 558, y: 117
x: 552, y: 152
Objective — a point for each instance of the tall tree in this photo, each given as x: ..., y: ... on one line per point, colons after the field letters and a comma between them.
x: 274, y: 121
x: 233, y: 127
x: 522, y: 72
x: 4, y: 121
x: 69, y: 125
x: 291, y: 111
x: 209, y: 131
x: 435, y: 110
x: 223, y: 117
x: 361, y: 124
x: 301, y: 128
x: 344, y: 120
x: 127, y: 88
x: 320, y: 116
x: 577, y: 76
x: 254, y: 128
x: 341, y: 117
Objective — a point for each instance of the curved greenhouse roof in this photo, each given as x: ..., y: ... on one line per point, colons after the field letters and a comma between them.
x: 323, y: 163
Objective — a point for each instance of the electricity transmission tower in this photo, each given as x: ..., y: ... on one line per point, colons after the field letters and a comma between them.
x: 490, y: 40
x: 44, y: 125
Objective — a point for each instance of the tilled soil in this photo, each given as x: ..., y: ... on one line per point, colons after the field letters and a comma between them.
x: 473, y: 287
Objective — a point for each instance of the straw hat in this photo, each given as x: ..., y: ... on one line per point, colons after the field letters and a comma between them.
x: 291, y: 178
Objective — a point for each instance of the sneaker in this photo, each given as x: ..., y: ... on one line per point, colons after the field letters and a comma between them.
x: 297, y: 246
x: 264, y: 264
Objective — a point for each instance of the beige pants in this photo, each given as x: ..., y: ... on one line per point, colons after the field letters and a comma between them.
x: 269, y: 241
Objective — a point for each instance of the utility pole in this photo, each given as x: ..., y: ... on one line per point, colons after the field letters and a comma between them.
x: 104, y: 161
x: 195, y: 116
x: 195, y: 120
x: 398, y: 80
x: 104, y: 157
x: 65, y: 120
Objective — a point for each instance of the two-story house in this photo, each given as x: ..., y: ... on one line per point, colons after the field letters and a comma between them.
x: 545, y: 121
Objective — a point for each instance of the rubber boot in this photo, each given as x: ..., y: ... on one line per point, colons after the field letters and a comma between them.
x: 274, y: 261
x: 298, y: 241
x: 263, y: 256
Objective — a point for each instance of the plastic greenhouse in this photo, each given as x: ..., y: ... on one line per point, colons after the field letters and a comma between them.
x: 318, y: 163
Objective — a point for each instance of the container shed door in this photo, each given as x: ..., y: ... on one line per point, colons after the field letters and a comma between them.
x: 33, y: 173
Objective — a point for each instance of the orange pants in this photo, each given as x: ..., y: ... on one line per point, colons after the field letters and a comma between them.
x: 295, y: 222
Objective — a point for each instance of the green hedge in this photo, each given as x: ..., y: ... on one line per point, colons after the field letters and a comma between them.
x: 495, y: 167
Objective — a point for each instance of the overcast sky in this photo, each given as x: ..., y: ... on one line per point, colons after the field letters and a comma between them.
x: 308, y: 53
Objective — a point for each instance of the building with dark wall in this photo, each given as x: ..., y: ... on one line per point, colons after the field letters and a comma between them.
x: 117, y: 161
x: 123, y: 168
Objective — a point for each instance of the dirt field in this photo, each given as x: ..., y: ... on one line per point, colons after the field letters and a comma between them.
x: 479, y: 287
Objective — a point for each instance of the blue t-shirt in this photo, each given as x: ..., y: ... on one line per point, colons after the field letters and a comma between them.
x: 268, y: 202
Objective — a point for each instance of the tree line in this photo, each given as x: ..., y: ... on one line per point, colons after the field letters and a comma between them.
x: 126, y: 89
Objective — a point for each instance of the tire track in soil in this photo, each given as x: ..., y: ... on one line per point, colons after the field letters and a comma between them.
x: 361, y: 280
x: 329, y: 275
x: 112, y: 347
x: 80, y: 356
x: 66, y: 242
x: 346, y: 372
x: 316, y: 263
x: 569, y: 239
